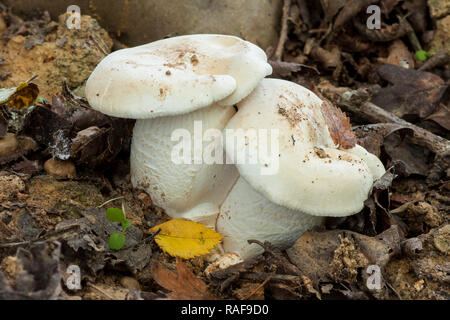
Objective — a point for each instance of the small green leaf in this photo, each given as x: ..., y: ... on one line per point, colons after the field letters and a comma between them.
x: 421, y: 55
x: 116, y: 241
x: 40, y: 100
x: 115, y: 215
x: 125, y: 225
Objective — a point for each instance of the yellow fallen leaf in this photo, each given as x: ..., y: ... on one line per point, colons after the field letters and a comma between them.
x: 21, y: 97
x: 186, y: 239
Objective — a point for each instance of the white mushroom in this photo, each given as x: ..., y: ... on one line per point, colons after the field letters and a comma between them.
x: 306, y: 177
x: 167, y: 85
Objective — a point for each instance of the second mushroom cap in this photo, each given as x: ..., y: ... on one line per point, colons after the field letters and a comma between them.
x: 312, y: 173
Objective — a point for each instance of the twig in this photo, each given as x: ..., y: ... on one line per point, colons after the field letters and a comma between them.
x: 51, y: 236
x: 283, y: 68
x: 357, y: 102
x: 110, y: 200
x: 101, y: 291
x: 227, y: 276
x: 327, y: 33
x: 259, y: 287
x: 153, y: 235
x: 102, y: 50
x: 412, y: 37
x: 33, y: 77
x: 438, y: 59
x: 320, y: 30
x: 304, y: 12
x: 260, y: 276
x: 284, y: 30
x: 70, y: 97
x: 395, y: 291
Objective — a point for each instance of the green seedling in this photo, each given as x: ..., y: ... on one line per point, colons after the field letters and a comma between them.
x: 423, y: 55
x: 117, y: 240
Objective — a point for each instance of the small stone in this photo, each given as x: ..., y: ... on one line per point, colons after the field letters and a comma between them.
x: 60, y: 168
x: 8, y: 144
x: 130, y: 283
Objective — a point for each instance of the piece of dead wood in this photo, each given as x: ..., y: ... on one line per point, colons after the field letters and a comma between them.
x: 329, y: 58
x: 261, y: 276
x: 438, y: 59
x: 284, y: 31
x: 274, y: 256
x: 48, y: 237
x: 371, y: 136
x: 227, y: 276
x: 357, y: 101
x: 412, y: 37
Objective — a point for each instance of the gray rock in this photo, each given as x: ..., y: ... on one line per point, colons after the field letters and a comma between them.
x: 142, y: 21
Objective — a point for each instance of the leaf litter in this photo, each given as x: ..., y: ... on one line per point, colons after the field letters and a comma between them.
x: 397, y: 105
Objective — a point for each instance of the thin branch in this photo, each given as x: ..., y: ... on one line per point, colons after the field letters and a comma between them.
x: 259, y: 287
x: 284, y: 30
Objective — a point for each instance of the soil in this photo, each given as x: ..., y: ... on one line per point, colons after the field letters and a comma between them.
x: 404, y: 227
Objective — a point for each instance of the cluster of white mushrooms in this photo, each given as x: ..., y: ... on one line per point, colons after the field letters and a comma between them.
x: 172, y: 83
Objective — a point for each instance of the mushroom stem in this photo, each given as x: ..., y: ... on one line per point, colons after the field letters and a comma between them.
x: 184, y: 190
x: 246, y: 214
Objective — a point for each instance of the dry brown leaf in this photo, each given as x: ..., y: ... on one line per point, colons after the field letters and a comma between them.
x: 339, y: 126
x: 413, y: 92
x: 399, y: 55
x: 183, y: 284
x: 441, y: 116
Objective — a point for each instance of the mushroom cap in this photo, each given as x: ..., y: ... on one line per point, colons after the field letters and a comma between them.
x: 176, y: 76
x: 311, y: 173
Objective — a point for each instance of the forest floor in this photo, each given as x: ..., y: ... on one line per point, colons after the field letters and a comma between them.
x: 52, y: 211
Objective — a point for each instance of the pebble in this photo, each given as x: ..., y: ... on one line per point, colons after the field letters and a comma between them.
x: 130, y: 283
x: 60, y: 168
x: 8, y: 144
